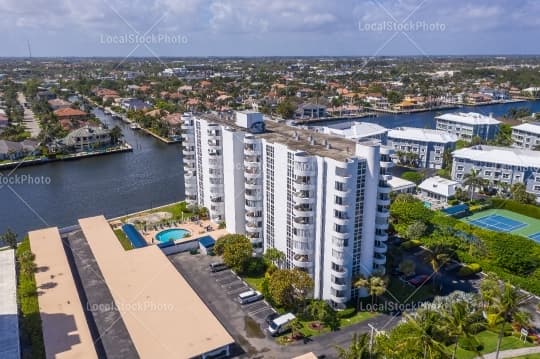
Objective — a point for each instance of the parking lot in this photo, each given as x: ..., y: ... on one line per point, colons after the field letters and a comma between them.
x: 246, y: 322
x: 233, y: 285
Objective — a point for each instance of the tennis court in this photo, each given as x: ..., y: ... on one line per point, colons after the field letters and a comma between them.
x: 535, y: 237
x: 498, y: 223
x: 502, y: 220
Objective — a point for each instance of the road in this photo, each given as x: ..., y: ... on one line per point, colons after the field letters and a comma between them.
x: 30, y: 121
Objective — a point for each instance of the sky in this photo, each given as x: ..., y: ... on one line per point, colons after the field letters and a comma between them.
x: 162, y: 28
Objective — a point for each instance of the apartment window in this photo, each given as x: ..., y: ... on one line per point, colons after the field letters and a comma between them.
x: 340, y: 201
x: 536, y: 188
x: 460, y: 168
x: 487, y: 173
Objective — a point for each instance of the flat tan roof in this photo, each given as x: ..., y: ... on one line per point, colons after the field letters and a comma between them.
x: 309, y: 355
x: 65, y: 330
x: 163, y: 315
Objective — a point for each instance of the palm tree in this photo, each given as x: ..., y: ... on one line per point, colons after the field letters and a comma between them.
x: 425, y: 331
x: 460, y: 321
x: 359, y: 348
x: 296, y: 326
x: 504, y: 302
x: 376, y: 286
x: 320, y: 311
x: 473, y: 180
x: 438, y: 256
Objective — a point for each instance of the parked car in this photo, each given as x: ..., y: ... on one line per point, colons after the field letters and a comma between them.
x: 271, y: 317
x: 249, y: 297
x: 419, y: 280
x: 217, y: 267
x: 281, y: 324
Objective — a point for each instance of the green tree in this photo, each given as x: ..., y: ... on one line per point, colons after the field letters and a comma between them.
x: 274, y: 256
x: 394, y: 97
x: 322, y: 312
x: 358, y: 349
x: 9, y: 238
x: 413, y: 176
x: 116, y: 134
x: 438, y: 255
x: 236, y: 250
x: 504, y: 305
x: 296, y: 327
x: 472, y: 181
x: 519, y: 193
x: 406, y: 209
x: 416, y: 230
x: 289, y: 288
x: 407, y: 267
x: 286, y: 109
x: 460, y: 321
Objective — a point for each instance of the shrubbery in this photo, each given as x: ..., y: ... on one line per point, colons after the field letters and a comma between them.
x: 346, y: 313
x: 30, y: 319
x: 469, y: 269
x: 413, y: 243
x: 514, y: 206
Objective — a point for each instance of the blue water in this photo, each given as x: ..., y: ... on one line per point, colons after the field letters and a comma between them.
x: 169, y: 235
x: 427, y: 119
x: 134, y: 236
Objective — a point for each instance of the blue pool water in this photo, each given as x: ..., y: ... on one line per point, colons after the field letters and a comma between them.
x: 170, y: 235
x: 134, y: 236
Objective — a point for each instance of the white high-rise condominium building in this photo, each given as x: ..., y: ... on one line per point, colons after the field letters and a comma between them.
x: 323, y: 200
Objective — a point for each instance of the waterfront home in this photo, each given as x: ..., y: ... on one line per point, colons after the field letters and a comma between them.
x: 58, y: 103
x: 466, y: 126
x: 134, y: 104
x: 311, y: 111
x: 500, y: 166
x: 526, y: 135
x: 174, y: 121
x: 10, y: 150
x: 87, y: 138
x: 71, y: 114
x: 420, y: 147
x: 106, y: 94
x: 438, y: 189
x: 400, y: 185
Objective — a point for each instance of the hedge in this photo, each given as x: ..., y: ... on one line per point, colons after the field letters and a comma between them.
x: 30, y: 318
x: 469, y: 270
x: 514, y: 206
x: 346, y: 313
x: 413, y: 243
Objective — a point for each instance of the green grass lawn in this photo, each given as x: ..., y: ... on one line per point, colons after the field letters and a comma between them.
x: 123, y: 239
x: 357, y: 318
x: 254, y: 282
x: 488, y: 340
x: 532, y: 227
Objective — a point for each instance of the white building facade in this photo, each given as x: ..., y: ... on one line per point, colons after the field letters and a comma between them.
x: 320, y: 199
x: 466, y: 126
x: 526, y: 135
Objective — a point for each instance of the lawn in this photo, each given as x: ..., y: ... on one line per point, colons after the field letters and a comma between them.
x: 488, y: 340
x: 254, y: 282
x: 123, y: 239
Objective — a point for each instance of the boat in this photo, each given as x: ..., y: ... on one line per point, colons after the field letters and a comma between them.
x: 135, y: 126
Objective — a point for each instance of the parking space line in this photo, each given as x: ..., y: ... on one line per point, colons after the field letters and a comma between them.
x: 260, y: 310
x: 237, y: 290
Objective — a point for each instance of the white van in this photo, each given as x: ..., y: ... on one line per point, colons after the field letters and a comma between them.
x: 249, y: 297
x: 281, y: 324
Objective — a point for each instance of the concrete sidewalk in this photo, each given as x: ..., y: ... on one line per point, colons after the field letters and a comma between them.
x: 513, y: 353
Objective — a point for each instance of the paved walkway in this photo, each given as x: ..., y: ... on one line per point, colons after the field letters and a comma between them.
x: 30, y: 121
x: 513, y: 353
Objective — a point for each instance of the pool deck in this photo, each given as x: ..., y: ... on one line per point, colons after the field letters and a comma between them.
x: 532, y: 227
x: 197, y: 230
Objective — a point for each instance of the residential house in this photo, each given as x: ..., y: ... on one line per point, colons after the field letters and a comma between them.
x: 87, y: 138
x: 438, y: 189
x: 311, y: 111
x: 10, y: 150
x: 58, y: 103
x: 135, y: 104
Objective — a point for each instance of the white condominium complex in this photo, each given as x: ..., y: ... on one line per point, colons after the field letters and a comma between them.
x: 466, y: 126
x: 322, y: 200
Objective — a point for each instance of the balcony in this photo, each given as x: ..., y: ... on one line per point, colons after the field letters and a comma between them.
x: 214, y: 145
x: 384, y: 189
x: 216, y: 199
x: 343, y: 207
x: 341, y: 221
x: 253, y: 195
x: 336, y: 286
x: 383, y: 201
x: 252, y: 173
x: 381, y: 237
x: 253, y: 184
x: 338, y: 272
x: 302, y: 210
x: 302, y: 261
x: 302, y: 237
x: 383, y: 213
x: 380, y: 248
x: 379, y: 259
x: 214, y: 153
x: 188, y: 151
x: 253, y: 206
x: 339, y: 300
x: 387, y: 164
x: 382, y: 225
x: 303, y: 223
x: 302, y: 248
x: 213, y: 164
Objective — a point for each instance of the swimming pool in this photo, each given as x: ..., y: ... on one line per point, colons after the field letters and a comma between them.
x: 134, y: 236
x: 170, y: 235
